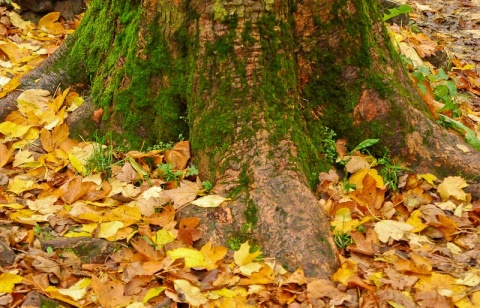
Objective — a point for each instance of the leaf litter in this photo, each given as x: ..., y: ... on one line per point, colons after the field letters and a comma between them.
x: 413, y: 245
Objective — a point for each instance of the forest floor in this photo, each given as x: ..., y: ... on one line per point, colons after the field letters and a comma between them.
x: 83, y: 224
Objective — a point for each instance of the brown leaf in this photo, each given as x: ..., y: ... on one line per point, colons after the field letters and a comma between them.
x: 97, y: 115
x: 179, y: 155
x: 395, y: 296
x: 110, y: 294
x: 51, y: 141
x: 186, y: 193
x: 162, y: 219
x: 370, y: 196
x: 144, y: 247
x: 76, y: 189
x: 362, y: 244
x: 433, y: 299
x: 187, y: 232
x: 128, y: 174
x: 322, y: 288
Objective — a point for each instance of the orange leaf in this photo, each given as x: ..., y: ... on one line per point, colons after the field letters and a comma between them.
x: 76, y: 189
x: 51, y: 141
x: 49, y: 23
x: 179, y: 155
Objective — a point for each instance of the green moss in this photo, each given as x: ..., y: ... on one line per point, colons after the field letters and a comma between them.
x: 136, y: 77
x: 251, y: 213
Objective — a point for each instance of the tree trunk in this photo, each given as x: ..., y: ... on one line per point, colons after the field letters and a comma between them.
x: 252, y: 84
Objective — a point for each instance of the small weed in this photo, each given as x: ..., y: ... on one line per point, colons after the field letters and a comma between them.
x: 347, y: 186
x: 444, y: 89
x: 161, y: 146
x: 207, y: 186
x: 192, y: 170
x: 102, y: 158
x: 329, y: 144
x: 238, y: 237
x: 169, y: 175
x: 342, y: 240
x: 390, y: 170
x: 402, y: 9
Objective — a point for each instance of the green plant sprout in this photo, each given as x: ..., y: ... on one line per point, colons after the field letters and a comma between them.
x: 402, y: 9
x: 167, y: 172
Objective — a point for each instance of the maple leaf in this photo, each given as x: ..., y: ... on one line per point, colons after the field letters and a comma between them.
x: 243, y: 256
x: 191, y: 293
x: 49, y: 23
x: 396, y: 230
x: 187, y: 232
x: 345, y: 272
x: 193, y: 258
x: 213, y: 254
x: 179, y: 155
x: 183, y: 195
x: 452, y: 187
x: 110, y: 294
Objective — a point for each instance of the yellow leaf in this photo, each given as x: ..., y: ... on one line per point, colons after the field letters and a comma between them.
x: 163, y: 237
x: 44, y: 205
x: 343, y: 222
x: 17, y: 186
x: 153, y: 292
x: 192, y: 294
x: 430, y: 178
x: 53, y: 292
x: 243, y: 255
x: 8, y: 282
x: 76, y: 292
x: 452, y: 187
x: 51, y: 141
x: 193, y: 258
x: 356, y: 163
x: 5, y: 154
x: 265, y: 275
x: 210, y: 201
x: 387, y: 229
x: 77, y: 164
x: 32, y: 103
x: 213, y: 254
x: 28, y: 217
x: 224, y: 292
x: 416, y: 221
x: 343, y: 274
x: 443, y: 284
x: 13, y: 206
x: 108, y: 230
x: 14, y: 52
x: 10, y: 86
x: 72, y: 234
x: 250, y: 268
x: 357, y: 178
x: 49, y: 23
x: 13, y: 131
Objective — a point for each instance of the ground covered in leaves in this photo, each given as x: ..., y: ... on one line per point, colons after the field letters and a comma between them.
x: 84, y: 224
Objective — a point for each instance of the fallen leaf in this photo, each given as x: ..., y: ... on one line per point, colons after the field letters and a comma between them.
x: 452, y: 187
x: 192, y: 294
x: 210, y: 201
x: 396, y: 230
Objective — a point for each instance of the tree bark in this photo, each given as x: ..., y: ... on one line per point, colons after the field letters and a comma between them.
x: 257, y: 81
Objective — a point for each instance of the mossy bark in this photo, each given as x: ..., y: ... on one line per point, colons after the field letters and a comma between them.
x: 252, y: 83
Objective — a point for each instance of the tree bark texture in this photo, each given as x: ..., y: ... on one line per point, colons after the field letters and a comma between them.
x: 252, y: 83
